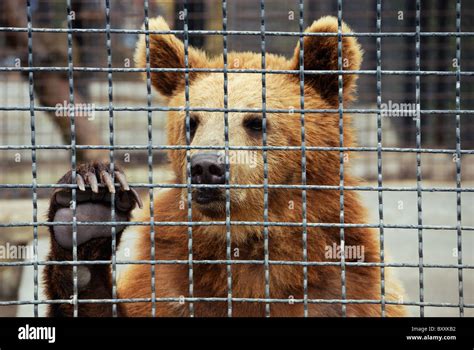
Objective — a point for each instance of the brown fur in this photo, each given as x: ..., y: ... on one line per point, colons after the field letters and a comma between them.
x: 247, y: 204
x: 285, y: 243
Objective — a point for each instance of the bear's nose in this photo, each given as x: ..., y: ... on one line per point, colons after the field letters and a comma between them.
x: 206, y: 168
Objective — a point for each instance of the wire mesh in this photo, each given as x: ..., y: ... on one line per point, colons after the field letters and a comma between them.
x: 150, y: 147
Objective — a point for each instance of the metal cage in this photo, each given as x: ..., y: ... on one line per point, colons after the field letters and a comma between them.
x: 154, y: 143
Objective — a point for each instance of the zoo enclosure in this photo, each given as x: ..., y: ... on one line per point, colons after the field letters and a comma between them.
x: 93, y: 57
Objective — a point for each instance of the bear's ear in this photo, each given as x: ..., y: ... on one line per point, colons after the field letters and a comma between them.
x: 321, y: 53
x: 167, y: 51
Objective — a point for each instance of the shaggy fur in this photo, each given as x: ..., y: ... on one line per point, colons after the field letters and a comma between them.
x: 285, y: 205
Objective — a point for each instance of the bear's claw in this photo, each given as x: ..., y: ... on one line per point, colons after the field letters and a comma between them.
x: 93, y: 202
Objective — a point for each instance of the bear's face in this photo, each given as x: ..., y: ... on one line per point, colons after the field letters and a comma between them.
x: 207, y: 125
x: 246, y: 166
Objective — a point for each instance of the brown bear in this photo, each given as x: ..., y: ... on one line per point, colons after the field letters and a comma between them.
x: 248, y: 211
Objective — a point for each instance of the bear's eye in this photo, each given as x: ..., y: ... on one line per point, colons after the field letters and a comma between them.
x: 193, y: 124
x: 254, y: 123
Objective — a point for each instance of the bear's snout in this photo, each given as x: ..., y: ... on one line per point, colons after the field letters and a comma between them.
x: 206, y: 169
